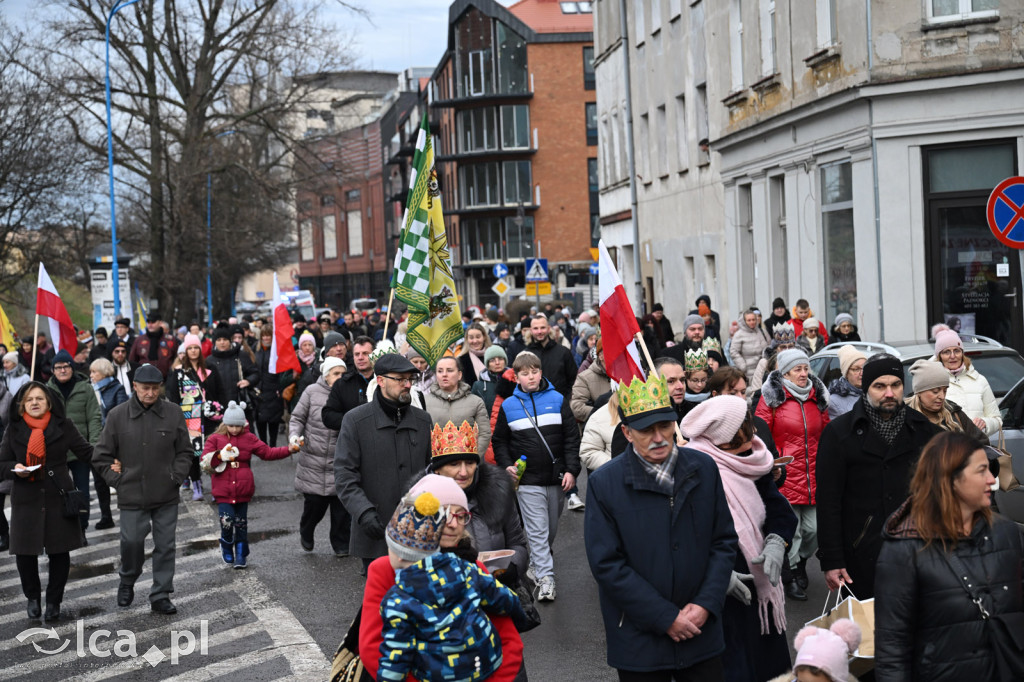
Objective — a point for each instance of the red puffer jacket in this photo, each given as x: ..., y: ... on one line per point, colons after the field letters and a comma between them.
x: 236, y: 483
x: 796, y: 428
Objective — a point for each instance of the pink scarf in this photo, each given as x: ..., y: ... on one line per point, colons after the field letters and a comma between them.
x: 748, y: 515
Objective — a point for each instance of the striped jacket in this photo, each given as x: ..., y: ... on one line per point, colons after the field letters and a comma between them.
x: 514, y: 435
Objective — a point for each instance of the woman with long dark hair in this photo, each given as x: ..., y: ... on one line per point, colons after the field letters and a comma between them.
x: 195, y: 387
x: 41, y: 436
x: 949, y: 599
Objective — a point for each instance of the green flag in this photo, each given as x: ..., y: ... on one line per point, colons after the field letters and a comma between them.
x: 423, y: 269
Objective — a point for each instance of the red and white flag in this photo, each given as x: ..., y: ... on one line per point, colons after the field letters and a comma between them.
x: 48, y: 303
x: 618, y: 323
x: 282, y: 352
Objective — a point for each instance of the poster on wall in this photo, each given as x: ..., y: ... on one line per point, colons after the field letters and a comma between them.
x: 961, y: 323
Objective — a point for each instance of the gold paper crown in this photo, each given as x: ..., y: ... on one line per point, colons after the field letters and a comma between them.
x: 643, y: 396
x: 711, y: 343
x: 696, y: 361
x: 452, y: 440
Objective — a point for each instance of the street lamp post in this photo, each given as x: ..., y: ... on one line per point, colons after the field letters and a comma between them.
x: 110, y: 161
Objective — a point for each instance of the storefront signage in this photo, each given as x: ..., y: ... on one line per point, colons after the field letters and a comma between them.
x: 1005, y: 212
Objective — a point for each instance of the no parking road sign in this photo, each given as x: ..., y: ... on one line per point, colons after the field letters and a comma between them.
x: 1005, y: 212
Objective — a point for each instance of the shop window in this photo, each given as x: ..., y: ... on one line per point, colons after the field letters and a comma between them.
x: 837, y: 229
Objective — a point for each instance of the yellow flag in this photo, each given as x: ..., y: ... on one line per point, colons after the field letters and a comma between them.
x: 7, y: 333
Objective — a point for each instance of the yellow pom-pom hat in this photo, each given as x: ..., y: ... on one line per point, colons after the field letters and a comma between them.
x: 414, y: 532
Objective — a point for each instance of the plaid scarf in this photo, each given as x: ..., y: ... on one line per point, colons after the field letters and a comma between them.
x: 888, y: 429
x: 662, y: 474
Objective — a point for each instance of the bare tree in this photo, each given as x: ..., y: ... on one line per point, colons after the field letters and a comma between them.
x: 185, y: 73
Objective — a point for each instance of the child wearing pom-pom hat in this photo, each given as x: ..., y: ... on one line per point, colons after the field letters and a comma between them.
x: 434, y: 624
x: 823, y: 655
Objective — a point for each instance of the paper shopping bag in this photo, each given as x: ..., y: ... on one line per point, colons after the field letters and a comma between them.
x: 860, y: 612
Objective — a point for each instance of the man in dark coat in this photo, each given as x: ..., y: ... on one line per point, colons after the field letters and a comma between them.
x: 693, y: 333
x: 155, y: 347
x: 661, y: 545
x: 872, y: 452
x: 144, y: 453
x: 381, y: 445
x: 124, y: 370
x: 350, y: 391
x: 556, y: 361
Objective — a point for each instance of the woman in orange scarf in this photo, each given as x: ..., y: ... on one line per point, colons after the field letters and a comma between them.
x: 40, y: 436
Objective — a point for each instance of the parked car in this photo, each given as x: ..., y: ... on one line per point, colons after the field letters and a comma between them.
x: 363, y: 306
x: 1011, y: 407
x: 1001, y: 365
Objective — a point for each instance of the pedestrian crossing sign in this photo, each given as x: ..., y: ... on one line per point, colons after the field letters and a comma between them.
x: 536, y: 269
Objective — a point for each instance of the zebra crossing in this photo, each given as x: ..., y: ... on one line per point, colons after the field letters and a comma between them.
x: 228, y: 624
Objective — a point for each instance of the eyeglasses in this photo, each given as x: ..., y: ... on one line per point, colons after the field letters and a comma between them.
x: 698, y: 382
x: 461, y: 518
x: 399, y: 380
x: 857, y: 370
x: 951, y: 352
x: 62, y: 368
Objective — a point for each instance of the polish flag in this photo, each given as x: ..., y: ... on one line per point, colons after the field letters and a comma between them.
x: 48, y: 304
x: 618, y: 324
x: 282, y: 352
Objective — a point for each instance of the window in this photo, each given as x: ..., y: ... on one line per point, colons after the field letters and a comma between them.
x: 592, y: 179
x: 577, y: 7
x: 306, y: 239
x: 675, y: 8
x: 515, y: 126
x: 354, y: 220
x: 475, y: 59
x: 327, y: 200
x: 682, y: 143
x: 767, y: 37
x: 698, y: 48
x: 330, y: 231
x: 589, y: 82
x: 661, y: 136
x: 591, y: 115
x: 305, y: 205
x: 825, y: 11
x: 479, y: 184
x: 655, y: 16
x: 736, y: 44
x: 955, y: 10
x: 639, y: 26
x: 704, y: 153
x: 352, y: 195
x: 519, y: 242
x: 517, y: 181
x: 481, y: 239
x: 511, y: 60
x: 645, y: 136
x: 479, y: 129
x: 837, y: 230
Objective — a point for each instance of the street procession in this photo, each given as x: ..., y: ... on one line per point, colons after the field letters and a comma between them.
x: 636, y: 340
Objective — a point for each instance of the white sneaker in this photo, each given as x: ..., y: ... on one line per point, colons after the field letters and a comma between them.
x: 575, y: 502
x: 531, y: 574
x: 546, y: 591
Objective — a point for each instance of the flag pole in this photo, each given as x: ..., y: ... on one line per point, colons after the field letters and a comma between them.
x: 654, y: 370
x: 387, y: 320
x: 35, y: 345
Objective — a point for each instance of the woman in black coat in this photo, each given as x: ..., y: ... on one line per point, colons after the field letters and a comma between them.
x: 270, y: 404
x: 196, y: 387
x: 39, y: 433
x: 235, y: 372
x: 942, y: 549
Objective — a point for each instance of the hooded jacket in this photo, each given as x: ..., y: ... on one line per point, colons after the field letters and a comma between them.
x: 842, y: 397
x: 459, y: 406
x: 926, y: 626
x: 590, y: 384
x: 37, y: 521
x: 746, y: 348
x: 314, y: 462
x: 796, y: 427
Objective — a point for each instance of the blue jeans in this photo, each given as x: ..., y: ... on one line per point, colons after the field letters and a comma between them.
x: 234, y: 521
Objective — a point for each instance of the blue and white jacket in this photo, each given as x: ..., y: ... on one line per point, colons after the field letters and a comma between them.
x: 435, y: 627
x: 515, y: 436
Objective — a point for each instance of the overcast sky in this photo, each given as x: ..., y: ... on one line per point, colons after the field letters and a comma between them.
x: 403, y: 33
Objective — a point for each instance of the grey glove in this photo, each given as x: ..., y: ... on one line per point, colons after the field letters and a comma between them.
x: 737, y: 589
x: 772, y: 556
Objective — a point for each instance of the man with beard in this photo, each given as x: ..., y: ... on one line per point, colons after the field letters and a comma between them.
x: 693, y: 328
x: 381, y: 445
x: 155, y: 347
x: 350, y: 391
x: 872, y: 451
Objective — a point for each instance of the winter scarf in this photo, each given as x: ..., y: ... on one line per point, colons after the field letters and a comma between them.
x: 801, y: 394
x: 36, y: 452
x: 842, y: 387
x: 306, y: 358
x: 886, y: 428
x: 477, y: 358
x: 748, y: 515
x: 696, y: 397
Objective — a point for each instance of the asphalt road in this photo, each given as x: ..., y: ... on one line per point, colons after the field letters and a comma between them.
x: 282, y: 618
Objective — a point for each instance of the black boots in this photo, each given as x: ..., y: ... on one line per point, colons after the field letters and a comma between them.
x: 33, y: 610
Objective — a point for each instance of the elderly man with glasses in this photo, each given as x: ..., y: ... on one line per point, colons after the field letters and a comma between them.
x: 381, y: 444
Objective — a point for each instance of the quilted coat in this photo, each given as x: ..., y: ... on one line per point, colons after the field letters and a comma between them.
x: 314, y: 462
x: 236, y: 483
x: 796, y: 427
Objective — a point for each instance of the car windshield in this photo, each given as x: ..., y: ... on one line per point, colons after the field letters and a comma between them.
x: 1002, y: 371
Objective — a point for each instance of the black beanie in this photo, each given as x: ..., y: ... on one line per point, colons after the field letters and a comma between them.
x: 881, y: 365
x: 778, y: 303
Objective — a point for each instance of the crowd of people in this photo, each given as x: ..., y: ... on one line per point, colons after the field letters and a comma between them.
x: 712, y: 483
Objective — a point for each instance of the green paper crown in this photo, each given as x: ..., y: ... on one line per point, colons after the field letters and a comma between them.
x: 696, y: 361
x: 643, y: 396
x: 383, y: 348
x: 711, y: 343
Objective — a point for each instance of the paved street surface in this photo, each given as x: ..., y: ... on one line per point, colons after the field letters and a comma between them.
x: 280, y: 619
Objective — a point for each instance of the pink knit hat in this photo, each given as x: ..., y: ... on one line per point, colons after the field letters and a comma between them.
x: 191, y: 340
x: 445, y: 489
x: 716, y: 419
x: 947, y: 338
x: 828, y: 650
